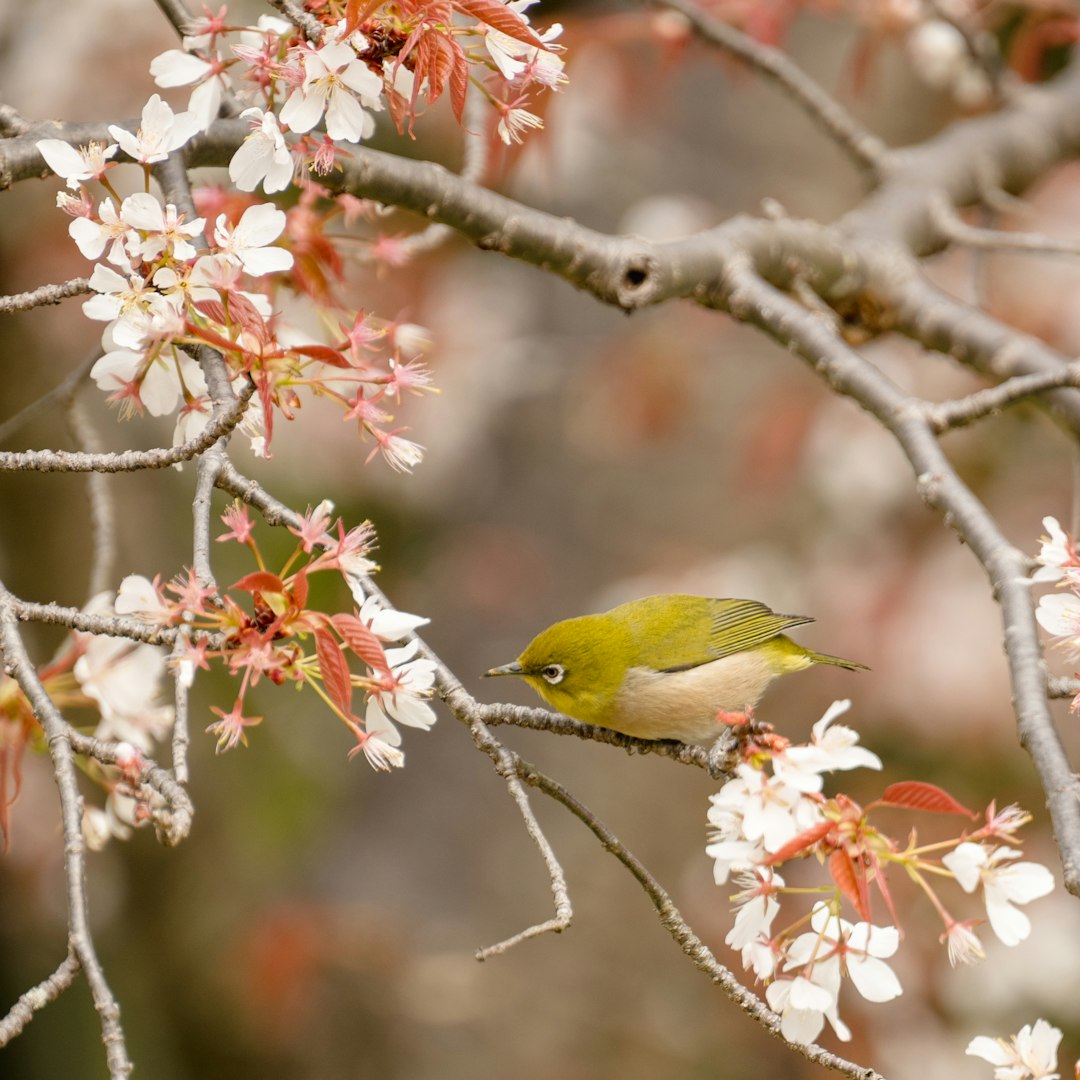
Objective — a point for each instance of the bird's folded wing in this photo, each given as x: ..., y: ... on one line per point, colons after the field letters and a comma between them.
x: 723, y: 628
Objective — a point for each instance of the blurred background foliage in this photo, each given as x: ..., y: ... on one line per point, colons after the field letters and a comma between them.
x: 321, y: 920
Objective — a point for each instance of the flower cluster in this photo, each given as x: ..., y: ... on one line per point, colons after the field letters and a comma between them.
x: 167, y: 283
x: 394, y: 56
x: 261, y: 627
x: 774, y: 811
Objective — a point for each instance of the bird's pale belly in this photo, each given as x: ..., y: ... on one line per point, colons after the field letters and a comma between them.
x: 683, y: 704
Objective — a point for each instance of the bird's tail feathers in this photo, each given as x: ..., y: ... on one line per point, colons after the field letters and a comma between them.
x: 836, y: 661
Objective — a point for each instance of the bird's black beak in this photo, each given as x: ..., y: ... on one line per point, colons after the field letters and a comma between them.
x: 513, y: 668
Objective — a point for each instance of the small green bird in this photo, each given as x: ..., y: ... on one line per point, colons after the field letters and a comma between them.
x: 664, y: 666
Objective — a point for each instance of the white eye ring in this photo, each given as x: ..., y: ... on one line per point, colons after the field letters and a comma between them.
x: 553, y: 673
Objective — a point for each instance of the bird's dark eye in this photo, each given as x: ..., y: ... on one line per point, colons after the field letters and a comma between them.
x: 553, y: 673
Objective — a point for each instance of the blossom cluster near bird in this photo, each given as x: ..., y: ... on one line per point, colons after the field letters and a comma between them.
x: 773, y: 812
x: 260, y: 627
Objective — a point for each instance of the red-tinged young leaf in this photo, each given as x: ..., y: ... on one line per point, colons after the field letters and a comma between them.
x: 361, y: 640
x: 214, y: 310
x: 849, y: 882
x: 805, y: 840
x: 459, y: 83
x: 915, y: 795
x: 495, y: 13
x: 300, y: 589
x: 335, y: 670
x: 245, y: 314
x: 212, y: 337
x: 265, y: 388
x: 442, y: 63
x: 356, y: 12
x: 260, y: 581
x: 323, y: 353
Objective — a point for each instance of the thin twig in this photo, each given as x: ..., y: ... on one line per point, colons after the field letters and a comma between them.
x: 505, y: 766
x: 181, y: 703
x: 671, y: 918
x: 130, y: 460
x: 37, y: 997
x: 1063, y: 686
x: 123, y: 626
x: 959, y: 231
x: 102, y: 504
x: 542, y: 720
x: 672, y: 921
x: 58, y: 736
x: 945, y: 415
x: 867, y: 150
x: 173, y: 813
x: 46, y: 294
x: 210, y: 466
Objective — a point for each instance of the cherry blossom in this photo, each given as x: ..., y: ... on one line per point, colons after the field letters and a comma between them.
x: 231, y: 729
x: 351, y: 555
x: 770, y: 810
x: 76, y: 165
x: 803, y: 1005
x: 95, y: 828
x: 332, y: 76
x: 858, y: 950
x: 92, y: 236
x: 1005, y: 883
x: 139, y: 596
x: 380, y: 744
x: 728, y: 849
x: 126, y: 300
x: 411, y: 680
x: 831, y: 748
x: 515, y: 122
x: 263, y: 157
x: 1057, y: 553
x: 964, y: 946
x: 1031, y: 1054
x: 160, y: 133
x: 155, y: 383
x: 1059, y: 614
x: 385, y: 623
x: 513, y: 58
x: 402, y: 455
x: 246, y: 245
x: 165, y: 225
x: 940, y: 56
x: 753, y: 921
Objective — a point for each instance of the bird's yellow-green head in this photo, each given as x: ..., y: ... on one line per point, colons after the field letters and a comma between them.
x: 577, y: 665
